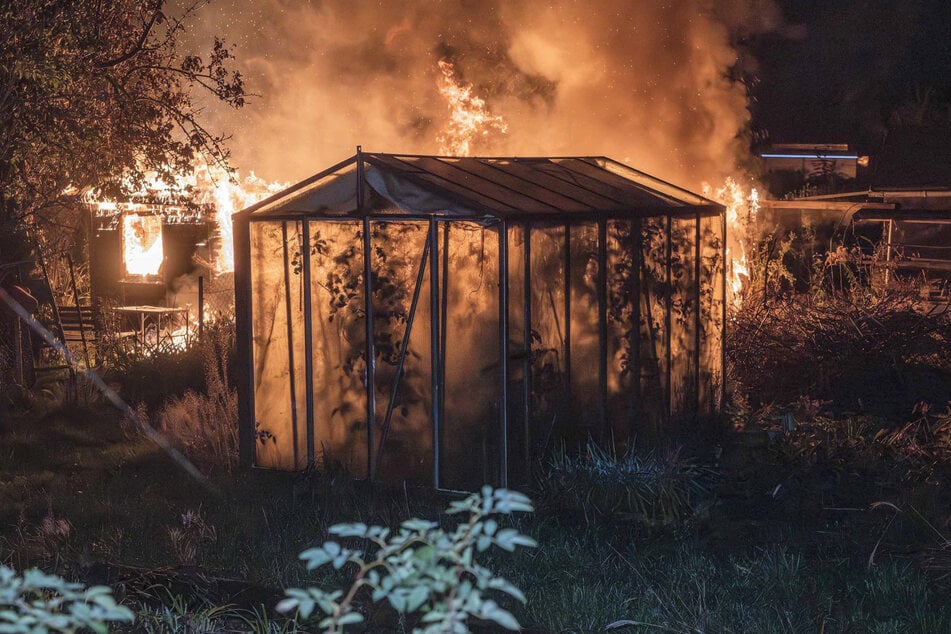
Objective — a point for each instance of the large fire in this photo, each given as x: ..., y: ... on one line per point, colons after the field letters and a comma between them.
x: 209, y: 192
x: 229, y: 194
x: 142, y: 250
x: 469, y: 117
x: 742, y: 208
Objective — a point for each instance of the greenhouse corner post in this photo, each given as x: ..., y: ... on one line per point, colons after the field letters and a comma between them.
x: 723, y: 316
x: 638, y: 234
x: 243, y: 347
x: 503, y: 351
x: 435, y: 336
x: 527, y: 325
x: 698, y: 269
x: 668, y: 308
x: 308, y: 345
x: 567, y: 281
x: 289, y: 316
x: 370, y: 347
x: 602, y: 282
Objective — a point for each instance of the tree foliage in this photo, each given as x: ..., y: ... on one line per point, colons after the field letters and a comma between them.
x: 99, y: 94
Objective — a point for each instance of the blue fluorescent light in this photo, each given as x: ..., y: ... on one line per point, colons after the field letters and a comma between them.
x: 812, y: 156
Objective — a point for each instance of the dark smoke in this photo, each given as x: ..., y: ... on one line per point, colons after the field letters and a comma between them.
x: 645, y: 82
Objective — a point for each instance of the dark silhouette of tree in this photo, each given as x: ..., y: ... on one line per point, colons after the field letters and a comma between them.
x: 99, y: 94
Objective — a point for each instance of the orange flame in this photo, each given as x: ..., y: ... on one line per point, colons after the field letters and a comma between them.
x: 142, y: 251
x: 215, y: 189
x: 741, y: 211
x: 469, y: 118
x: 230, y: 194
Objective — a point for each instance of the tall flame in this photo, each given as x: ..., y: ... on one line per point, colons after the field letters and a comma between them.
x: 742, y: 208
x: 209, y: 191
x: 469, y: 117
x: 230, y: 194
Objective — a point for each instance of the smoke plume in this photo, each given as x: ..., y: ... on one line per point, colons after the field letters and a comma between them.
x: 646, y: 82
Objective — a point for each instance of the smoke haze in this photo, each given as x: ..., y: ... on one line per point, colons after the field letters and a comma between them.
x: 643, y: 82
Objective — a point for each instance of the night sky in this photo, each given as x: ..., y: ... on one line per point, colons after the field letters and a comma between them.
x: 844, y: 69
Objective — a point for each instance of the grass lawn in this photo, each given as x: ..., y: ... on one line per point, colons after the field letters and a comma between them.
x: 787, y: 540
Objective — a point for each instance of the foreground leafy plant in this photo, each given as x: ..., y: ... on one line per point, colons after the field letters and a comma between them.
x: 37, y: 603
x: 421, y: 568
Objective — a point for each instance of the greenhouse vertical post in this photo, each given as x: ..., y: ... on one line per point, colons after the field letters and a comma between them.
x: 434, y: 343
x: 369, y: 348
x: 699, y: 295
x: 635, y: 344
x: 308, y: 344
x: 602, y: 282
x: 567, y: 282
x: 668, y: 308
x: 527, y: 326
x: 288, y: 314
x: 503, y: 351
x: 244, y: 353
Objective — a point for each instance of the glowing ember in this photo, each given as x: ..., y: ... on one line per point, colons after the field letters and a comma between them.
x: 142, y: 251
x: 469, y: 118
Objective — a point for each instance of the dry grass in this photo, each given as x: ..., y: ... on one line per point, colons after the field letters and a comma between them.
x: 851, y: 348
x: 205, y: 424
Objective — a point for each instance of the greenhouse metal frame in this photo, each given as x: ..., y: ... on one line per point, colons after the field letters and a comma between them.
x: 547, y: 241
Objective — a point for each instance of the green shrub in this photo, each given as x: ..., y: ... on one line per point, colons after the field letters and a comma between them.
x: 421, y: 569
x: 37, y: 603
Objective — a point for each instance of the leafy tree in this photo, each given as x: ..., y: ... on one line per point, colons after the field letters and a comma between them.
x: 99, y: 94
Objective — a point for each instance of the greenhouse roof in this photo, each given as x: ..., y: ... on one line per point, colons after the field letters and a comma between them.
x: 479, y: 187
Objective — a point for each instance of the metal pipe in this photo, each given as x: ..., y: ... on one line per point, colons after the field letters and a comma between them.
x: 602, y: 282
x: 635, y: 343
x: 443, y: 321
x: 503, y: 351
x: 288, y: 312
x: 527, y: 325
x: 697, y: 282
x: 668, y: 307
x: 201, y: 290
x: 370, y: 347
x: 308, y: 345
x: 723, y: 315
x: 404, y: 347
x: 244, y: 343
x: 437, y: 335
x: 567, y: 345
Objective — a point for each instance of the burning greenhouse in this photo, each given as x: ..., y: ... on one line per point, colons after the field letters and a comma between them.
x: 449, y: 319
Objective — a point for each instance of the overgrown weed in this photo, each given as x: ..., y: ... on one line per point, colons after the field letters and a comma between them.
x: 205, y: 423
x: 652, y: 488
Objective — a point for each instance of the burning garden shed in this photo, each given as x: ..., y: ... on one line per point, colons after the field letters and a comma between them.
x: 449, y: 319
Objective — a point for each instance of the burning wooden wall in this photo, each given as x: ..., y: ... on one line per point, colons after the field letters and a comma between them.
x: 137, y: 251
x: 512, y: 303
